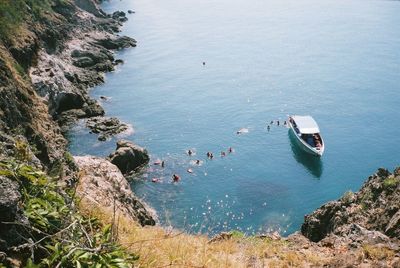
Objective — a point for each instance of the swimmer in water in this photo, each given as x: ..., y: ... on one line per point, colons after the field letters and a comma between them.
x: 197, y: 162
x: 271, y: 122
x: 277, y: 122
x: 211, y: 155
x: 175, y: 178
x: 285, y: 123
x: 223, y: 154
x: 230, y: 150
x: 189, y: 170
x: 208, y: 154
x: 190, y: 152
x: 162, y: 163
x: 204, y: 63
x: 268, y: 128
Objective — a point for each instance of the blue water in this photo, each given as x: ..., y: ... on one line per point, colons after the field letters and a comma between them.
x: 338, y: 61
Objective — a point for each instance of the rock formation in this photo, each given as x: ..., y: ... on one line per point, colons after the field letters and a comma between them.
x: 102, y: 185
x: 368, y: 216
x: 128, y: 156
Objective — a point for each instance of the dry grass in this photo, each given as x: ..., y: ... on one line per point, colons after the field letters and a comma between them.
x: 377, y: 253
x: 159, y: 247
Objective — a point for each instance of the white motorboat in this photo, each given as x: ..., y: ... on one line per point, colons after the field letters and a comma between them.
x: 307, y: 134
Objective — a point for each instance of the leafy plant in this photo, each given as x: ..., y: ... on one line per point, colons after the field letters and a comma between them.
x: 390, y: 182
x: 68, y: 238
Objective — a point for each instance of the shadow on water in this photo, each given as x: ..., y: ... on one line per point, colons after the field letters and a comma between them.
x: 312, y: 163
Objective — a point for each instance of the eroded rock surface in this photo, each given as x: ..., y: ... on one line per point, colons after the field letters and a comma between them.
x: 370, y: 215
x: 102, y: 185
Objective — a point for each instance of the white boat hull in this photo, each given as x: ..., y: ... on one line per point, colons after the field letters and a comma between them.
x: 304, y: 145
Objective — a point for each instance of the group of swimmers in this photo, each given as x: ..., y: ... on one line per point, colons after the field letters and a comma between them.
x: 176, y: 177
x: 210, y: 155
x: 277, y: 123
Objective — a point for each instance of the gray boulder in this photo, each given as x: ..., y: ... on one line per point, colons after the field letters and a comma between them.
x: 129, y: 157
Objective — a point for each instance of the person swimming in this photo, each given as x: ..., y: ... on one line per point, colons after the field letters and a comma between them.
x: 197, y: 162
x: 230, y: 150
x: 190, y: 152
x: 162, y: 163
x: 277, y: 122
x: 223, y: 154
x: 175, y: 178
x: 268, y: 128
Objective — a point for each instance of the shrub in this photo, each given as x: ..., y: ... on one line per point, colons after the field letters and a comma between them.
x: 390, y: 183
x: 70, y: 239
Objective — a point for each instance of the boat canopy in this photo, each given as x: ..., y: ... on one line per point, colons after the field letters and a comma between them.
x: 306, y: 124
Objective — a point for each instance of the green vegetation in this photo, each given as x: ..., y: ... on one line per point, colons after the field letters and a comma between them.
x: 390, y: 183
x: 11, y: 15
x: 14, y: 12
x: 63, y: 236
x: 348, y: 197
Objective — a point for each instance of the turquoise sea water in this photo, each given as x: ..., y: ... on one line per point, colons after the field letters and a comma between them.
x: 338, y: 61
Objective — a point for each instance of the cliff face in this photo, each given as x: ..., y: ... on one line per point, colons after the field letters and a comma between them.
x: 51, y: 52
x: 376, y: 207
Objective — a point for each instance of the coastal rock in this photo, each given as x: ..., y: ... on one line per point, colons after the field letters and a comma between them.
x: 129, y: 157
x: 371, y: 215
x: 102, y: 186
x: 106, y: 126
x: 117, y: 43
x: 90, y: 6
x: 84, y: 62
x: 120, y: 16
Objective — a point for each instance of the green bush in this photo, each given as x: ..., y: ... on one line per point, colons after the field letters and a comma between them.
x: 69, y: 239
x: 390, y: 183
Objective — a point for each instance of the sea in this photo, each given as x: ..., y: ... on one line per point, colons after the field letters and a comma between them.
x: 205, y: 69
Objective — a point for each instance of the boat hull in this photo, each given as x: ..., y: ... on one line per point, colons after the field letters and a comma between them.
x: 303, y: 145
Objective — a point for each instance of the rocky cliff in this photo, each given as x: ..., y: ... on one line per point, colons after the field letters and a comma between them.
x: 51, y: 53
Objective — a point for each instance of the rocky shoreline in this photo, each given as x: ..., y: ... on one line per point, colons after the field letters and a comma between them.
x: 69, y: 53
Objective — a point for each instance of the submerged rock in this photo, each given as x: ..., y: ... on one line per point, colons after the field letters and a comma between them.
x: 129, y: 157
x: 106, y: 126
x: 102, y: 186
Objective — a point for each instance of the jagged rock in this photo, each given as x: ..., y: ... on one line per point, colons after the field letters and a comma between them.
x: 375, y: 209
x: 119, y: 61
x: 106, y: 127
x: 103, y: 186
x: 104, y: 67
x: 93, y: 109
x: 98, y: 56
x: 131, y: 11
x: 120, y: 16
x: 117, y: 43
x: 84, y: 62
x: 90, y: 6
x: 129, y: 156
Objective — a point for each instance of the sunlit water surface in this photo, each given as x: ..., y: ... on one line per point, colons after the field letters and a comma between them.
x: 338, y: 61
